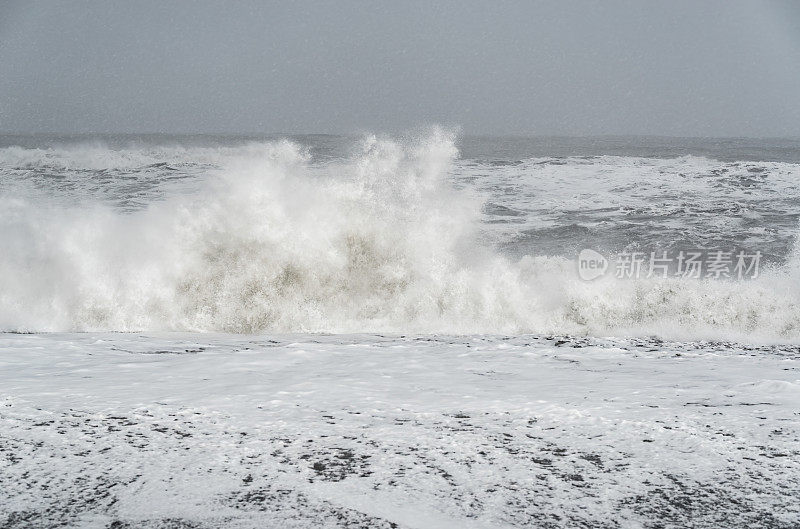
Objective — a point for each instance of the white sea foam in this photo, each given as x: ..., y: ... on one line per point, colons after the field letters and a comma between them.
x: 188, y: 430
x: 379, y: 242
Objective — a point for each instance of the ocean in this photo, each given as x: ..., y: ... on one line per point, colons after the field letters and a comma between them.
x: 420, y: 330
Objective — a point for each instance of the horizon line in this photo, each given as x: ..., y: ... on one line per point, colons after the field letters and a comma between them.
x: 521, y: 135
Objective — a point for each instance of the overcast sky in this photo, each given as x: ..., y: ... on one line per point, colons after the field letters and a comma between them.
x: 676, y: 68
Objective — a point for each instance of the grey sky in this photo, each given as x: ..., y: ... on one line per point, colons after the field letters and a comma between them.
x: 573, y: 68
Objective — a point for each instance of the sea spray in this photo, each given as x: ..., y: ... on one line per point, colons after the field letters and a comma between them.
x: 265, y: 239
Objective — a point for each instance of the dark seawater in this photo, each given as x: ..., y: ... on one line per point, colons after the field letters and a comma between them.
x: 484, y: 148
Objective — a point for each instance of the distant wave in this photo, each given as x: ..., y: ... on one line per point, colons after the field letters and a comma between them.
x: 379, y: 242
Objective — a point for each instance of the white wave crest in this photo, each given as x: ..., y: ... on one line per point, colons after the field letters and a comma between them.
x: 376, y: 243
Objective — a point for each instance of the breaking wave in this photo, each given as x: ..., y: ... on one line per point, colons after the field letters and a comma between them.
x: 381, y: 242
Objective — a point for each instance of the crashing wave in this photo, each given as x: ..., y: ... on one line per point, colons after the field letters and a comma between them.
x: 379, y: 242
